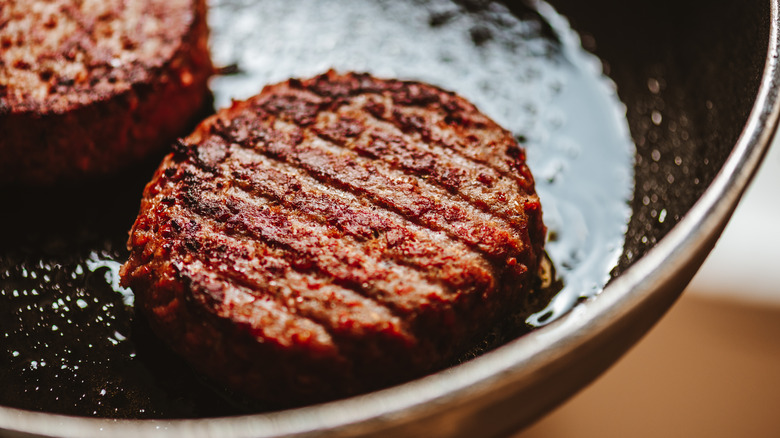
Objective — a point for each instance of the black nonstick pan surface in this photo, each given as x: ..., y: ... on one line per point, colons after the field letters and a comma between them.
x: 692, y: 101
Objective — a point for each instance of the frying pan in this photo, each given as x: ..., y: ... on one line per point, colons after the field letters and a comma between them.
x: 717, y: 62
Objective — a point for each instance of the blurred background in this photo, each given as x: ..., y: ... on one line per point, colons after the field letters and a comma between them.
x: 711, y: 367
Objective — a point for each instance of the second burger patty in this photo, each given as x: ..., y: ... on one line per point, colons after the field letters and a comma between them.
x: 89, y: 87
x: 335, y: 235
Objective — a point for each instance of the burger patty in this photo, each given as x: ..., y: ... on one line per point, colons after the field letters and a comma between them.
x: 335, y: 235
x: 88, y: 86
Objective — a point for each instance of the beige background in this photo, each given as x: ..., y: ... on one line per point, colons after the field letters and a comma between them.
x: 711, y: 368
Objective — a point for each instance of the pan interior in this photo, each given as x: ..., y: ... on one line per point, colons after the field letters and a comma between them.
x: 73, y: 344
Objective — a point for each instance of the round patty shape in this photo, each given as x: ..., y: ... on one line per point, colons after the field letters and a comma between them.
x: 88, y: 86
x: 335, y: 235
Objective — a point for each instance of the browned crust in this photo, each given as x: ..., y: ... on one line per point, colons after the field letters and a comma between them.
x: 105, y: 117
x: 335, y: 235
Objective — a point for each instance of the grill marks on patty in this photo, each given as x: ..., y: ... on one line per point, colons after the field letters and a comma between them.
x: 393, y: 237
x: 478, y: 183
x: 294, y: 142
x: 371, y: 252
x: 376, y: 223
x: 349, y: 262
x: 253, y: 267
x: 424, y: 202
x: 261, y: 315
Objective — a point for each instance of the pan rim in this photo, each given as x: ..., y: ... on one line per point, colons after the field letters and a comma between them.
x: 509, y: 367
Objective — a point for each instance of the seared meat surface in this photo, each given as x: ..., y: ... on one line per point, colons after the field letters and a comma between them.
x: 335, y: 235
x: 88, y: 86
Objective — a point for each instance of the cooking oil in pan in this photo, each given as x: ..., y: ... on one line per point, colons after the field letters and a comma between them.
x: 71, y: 341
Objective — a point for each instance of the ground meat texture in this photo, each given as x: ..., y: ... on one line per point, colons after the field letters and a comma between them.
x: 89, y: 86
x: 335, y: 235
